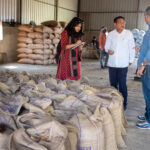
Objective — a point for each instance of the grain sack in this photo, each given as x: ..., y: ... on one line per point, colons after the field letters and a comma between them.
x: 26, y: 61
x: 109, y: 130
x: 38, y: 51
x: 36, y: 56
x: 46, y: 46
x: 54, y: 51
x: 47, y: 51
x: 22, y: 34
x: 46, y: 57
x: 51, y: 36
x: 35, y: 46
x: 47, y: 41
x: 57, y: 36
x: 51, y: 56
x: 51, y: 61
x: 38, y: 29
x: 38, y: 41
x: 22, y: 45
x: 4, y: 138
x: 115, y: 110
x: 73, y: 103
x: 63, y: 24
x: 58, y: 30
x: 25, y: 28
x: 21, y: 140
x: 25, y: 40
x: 56, y: 41
x: 51, y: 46
x: 47, y: 30
x: 24, y: 50
x: 45, y: 62
x: 22, y: 55
x: 39, y: 62
x: 45, y: 35
x: 51, y: 23
x: 36, y: 35
x: 91, y: 136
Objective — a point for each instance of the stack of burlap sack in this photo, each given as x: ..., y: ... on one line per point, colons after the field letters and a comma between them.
x: 42, y: 113
x: 38, y: 45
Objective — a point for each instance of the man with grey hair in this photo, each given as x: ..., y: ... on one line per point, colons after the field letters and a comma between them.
x: 144, y: 71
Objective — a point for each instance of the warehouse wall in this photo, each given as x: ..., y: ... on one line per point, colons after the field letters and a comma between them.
x: 43, y: 10
x: 8, y: 10
x: 37, y: 10
x: 8, y: 45
x: 97, y: 13
x: 67, y: 10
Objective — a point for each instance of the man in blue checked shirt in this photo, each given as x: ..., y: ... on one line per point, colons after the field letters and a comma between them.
x: 144, y: 71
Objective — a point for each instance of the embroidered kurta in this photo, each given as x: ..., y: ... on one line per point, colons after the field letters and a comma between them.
x: 64, y: 70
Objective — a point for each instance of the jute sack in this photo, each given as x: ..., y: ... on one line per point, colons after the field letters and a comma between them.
x: 58, y: 30
x: 72, y: 139
x: 4, y: 138
x: 91, y: 134
x: 25, y: 40
x: 52, y: 56
x: 35, y: 46
x: 109, y: 130
x: 52, y: 36
x: 51, y: 23
x: 38, y: 41
x: 51, y: 46
x: 47, y: 30
x: 25, y: 28
x: 22, y: 34
x: 26, y: 61
x: 57, y: 36
x: 47, y: 41
x: 63, y: 24
x: 56, y: 41
x: 47, y: 51
x: 38, y: 29
x: 115, y: 110
x: 22, y: 55
x: 24, y: 50
x: 38, y: 51
x: 36, y: 56
x: 36, y: 35
x: 45, y: 35
x: 46, y: 46
x: 22, y: 45
x: 73, y: 103
x: 20, y: 140
x: 46, y: 56
x: 39, y: 62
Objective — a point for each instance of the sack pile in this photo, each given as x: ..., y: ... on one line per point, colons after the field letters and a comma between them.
x: 38, y: 45
x: 40, y: 112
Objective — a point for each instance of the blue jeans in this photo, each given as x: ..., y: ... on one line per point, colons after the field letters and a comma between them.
x: 146, y: 91
x: 118, y: 77
x: 102, y: 53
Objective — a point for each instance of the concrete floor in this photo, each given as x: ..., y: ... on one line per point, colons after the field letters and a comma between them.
x: 136, y: 139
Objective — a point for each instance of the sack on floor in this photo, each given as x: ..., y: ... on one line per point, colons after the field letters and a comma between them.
x: 25, y: 40
x: 26, y: 61
x: 25, y: 28
x: 38, y: 29
x: 22, y: 34
x: 24, y: 50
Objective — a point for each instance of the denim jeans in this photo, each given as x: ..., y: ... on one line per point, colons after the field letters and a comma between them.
x: 117, y: 77
x: 146, y: 91
x: 102, y: 53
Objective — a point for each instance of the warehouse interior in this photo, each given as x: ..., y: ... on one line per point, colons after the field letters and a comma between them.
x: 95, y: 13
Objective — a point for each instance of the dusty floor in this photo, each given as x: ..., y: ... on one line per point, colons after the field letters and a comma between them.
x: 136, y: 139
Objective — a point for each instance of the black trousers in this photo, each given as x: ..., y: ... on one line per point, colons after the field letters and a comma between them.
x: 118, y: 77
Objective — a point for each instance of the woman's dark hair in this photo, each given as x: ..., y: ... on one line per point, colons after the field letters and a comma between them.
x: 119, y: 17
x: 70, y: 28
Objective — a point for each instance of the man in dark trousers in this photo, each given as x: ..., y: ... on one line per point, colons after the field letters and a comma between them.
x: 120, y: 46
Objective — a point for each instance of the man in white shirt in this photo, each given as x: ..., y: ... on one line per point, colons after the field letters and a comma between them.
x: 121, y: 49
